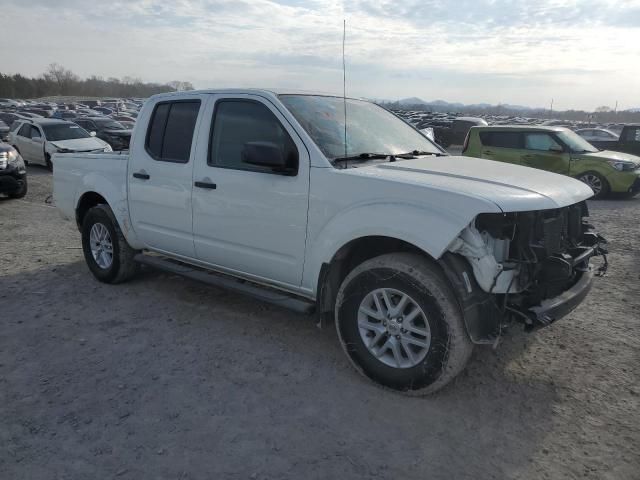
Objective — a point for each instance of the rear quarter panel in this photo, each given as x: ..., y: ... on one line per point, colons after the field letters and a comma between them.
x: 75, y: 175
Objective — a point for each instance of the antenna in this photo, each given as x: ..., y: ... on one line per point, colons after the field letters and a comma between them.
x: 344, y: 87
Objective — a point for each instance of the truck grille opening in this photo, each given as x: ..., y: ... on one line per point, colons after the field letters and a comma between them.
x: 552, y: 247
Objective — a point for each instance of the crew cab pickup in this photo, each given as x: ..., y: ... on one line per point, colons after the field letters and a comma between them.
x: 627, y: 142
x: 416, y: 255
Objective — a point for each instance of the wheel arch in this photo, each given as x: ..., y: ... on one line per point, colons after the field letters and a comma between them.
x: 348, y: 257
x: 107, y: 194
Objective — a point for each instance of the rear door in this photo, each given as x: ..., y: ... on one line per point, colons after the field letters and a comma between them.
x: 543, y: 151
x: 502, y: 146
x: 23, y: 141
x: 37, y: 145
x: 160, y: 175
x: 250, y: 219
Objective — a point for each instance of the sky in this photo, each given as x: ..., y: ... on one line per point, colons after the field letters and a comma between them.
x: 580, y: 53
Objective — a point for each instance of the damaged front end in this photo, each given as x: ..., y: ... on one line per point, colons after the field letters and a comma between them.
x: 533, y: 267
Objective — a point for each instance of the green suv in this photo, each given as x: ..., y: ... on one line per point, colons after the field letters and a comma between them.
x: 557, y: 150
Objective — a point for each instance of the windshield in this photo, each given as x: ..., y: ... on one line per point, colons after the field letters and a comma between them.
x: 64, y: 131
x: 370, y: 128
x: 109, y: 124
x: 575, y: 142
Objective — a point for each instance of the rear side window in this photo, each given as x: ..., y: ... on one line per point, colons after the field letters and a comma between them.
x: 540, y: 141
x: 170, y: 132
x: 501, y: 139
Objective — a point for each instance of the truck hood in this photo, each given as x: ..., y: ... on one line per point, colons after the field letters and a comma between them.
x: 605, y: 155
x: 80, y: 144
x: 512, y: 188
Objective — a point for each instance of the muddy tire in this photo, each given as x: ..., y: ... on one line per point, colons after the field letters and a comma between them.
x: 106, y: 251
x: 400, y: 324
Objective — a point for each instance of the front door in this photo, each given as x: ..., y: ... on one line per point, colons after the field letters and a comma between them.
x: 160, y: 176
x: 250, y: 219
x: 543, y: 151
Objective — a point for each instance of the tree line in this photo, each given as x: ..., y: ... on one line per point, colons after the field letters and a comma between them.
x: 58, y: 80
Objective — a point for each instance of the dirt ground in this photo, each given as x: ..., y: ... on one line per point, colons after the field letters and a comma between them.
x: 166, y: 378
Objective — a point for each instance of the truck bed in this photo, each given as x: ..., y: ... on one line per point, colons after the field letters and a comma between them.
x: 77, y: 173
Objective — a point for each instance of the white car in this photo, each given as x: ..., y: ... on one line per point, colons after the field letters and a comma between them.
x: 39, y: 139
x: 8, y: 102
x: 416, y: 255
x: 597, y: 134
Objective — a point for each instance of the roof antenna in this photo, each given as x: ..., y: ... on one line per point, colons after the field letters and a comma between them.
x: 344, y: 88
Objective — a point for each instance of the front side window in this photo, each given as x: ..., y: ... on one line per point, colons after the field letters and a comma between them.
x: 171, y: 130
x: 240, y: 122
x: 540, y: 141
x: 369, y: 127
x: 35, y: 133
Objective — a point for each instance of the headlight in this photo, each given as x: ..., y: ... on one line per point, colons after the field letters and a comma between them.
x: 13, y: 159
x: 107, y: 148
x: 622, y: 166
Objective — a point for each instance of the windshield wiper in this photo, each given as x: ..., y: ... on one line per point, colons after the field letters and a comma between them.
x: 422, y: 152
x: 363, y: 157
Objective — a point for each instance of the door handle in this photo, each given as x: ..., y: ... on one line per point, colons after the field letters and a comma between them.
x: 209, y: 185
x: 141, y: 176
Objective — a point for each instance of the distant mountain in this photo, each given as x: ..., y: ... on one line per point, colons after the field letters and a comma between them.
x: 451, y: 106
x: 412, y: 101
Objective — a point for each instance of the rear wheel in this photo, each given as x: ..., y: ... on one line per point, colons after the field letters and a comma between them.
x: 597, y: 182
x: 106, y: 251
x: 400, y: 324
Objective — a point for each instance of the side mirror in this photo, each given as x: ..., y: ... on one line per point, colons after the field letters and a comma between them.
x: 93, y: 134
x: 267, y: 154
x: 556, y: 149
x: 37, y: 139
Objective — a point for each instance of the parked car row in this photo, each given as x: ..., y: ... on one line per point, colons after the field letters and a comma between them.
x: 110, y: 120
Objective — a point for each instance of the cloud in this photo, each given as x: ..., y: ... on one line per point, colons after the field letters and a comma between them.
x: 469, y: 50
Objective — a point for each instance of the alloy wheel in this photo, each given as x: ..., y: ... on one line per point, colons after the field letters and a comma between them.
x: 394, y: 328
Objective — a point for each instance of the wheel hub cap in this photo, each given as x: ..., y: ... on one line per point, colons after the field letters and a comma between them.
x: 394, y: 328
x: 101, y: 246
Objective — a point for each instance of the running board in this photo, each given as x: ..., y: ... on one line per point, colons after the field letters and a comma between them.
x: 264, y: 294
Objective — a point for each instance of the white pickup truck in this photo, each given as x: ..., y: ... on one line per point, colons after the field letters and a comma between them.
x: 415, y: 254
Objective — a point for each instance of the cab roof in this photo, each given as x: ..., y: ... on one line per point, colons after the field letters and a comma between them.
x: 269, y: 92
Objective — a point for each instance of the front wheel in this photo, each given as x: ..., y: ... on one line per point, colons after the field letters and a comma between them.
x: 20, y: 193
x: 597, y: 182
x: 106, y: 251
x: 400, y: 324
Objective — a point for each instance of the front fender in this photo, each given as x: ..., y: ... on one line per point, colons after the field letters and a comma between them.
x: 429, y: 228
